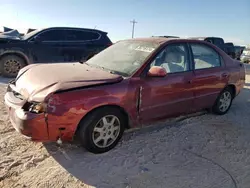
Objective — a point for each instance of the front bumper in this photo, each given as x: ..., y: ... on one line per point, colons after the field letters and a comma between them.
x: 31, y: 125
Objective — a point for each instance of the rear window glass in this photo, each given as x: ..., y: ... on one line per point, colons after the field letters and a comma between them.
x: 205, y: 57
x: 78, y: 35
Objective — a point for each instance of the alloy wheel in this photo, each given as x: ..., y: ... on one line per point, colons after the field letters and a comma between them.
x: 106, y: 131
x: 225, y: 101
x: 12, y: 66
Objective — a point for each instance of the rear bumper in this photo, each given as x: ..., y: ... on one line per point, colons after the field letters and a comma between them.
x: 31, y: 125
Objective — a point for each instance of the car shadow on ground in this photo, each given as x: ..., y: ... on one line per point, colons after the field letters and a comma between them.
x: 202, y: 151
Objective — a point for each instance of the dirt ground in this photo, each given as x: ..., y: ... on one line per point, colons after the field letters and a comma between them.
x: 197, y: 152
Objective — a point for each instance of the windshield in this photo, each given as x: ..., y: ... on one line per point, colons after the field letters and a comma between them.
x: 124, y: 57
x: 28, y: 35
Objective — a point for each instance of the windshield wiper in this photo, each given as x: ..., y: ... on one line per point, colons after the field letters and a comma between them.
x: 103, y: 68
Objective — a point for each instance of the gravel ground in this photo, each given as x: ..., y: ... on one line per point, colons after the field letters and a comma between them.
x: 197, y: 152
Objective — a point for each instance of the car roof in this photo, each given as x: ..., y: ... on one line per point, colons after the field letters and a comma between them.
x: 158, y: 40
x: 161, y: 40
x: 86, y: 29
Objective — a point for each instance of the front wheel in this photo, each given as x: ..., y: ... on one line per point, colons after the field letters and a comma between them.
x: 102, y: 130
x: 10, y: 65
x: 223, y: 102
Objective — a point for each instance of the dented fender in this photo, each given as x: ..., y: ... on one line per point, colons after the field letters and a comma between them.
x: 66, y: 109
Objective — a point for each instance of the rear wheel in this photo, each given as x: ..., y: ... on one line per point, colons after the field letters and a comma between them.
x: 10, y: 65
x: 223, y: 102
x: 102, y: 130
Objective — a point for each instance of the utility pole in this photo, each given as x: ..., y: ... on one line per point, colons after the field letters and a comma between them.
x: 133, y: 27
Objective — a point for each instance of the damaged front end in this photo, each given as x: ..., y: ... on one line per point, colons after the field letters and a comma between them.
x: 37, y: 104
x: 28, y: 118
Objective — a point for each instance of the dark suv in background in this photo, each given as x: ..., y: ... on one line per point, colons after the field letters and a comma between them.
x: 217, y: 41
x: 50, y: 45
x: 238, y: 51
x: 231, y: 49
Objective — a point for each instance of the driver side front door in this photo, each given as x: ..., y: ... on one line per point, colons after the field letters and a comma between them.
x: 172, y: 95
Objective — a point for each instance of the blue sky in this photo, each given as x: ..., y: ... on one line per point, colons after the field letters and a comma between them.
x: 227, y: 19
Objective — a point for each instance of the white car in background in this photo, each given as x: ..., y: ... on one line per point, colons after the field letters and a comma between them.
x: 245, y: 56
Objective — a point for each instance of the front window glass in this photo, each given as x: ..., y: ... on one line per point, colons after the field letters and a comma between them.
x: 174, y: 58
x: 124, y: 57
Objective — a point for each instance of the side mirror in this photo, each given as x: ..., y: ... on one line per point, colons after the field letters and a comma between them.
x: 157, y: 71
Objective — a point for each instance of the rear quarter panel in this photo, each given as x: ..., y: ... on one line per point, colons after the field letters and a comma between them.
x: 236, y: 71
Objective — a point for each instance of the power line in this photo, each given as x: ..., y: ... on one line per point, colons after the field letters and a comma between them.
x: 133, y: 27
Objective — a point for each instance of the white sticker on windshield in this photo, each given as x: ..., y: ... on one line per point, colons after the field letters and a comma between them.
x: 144, y: 49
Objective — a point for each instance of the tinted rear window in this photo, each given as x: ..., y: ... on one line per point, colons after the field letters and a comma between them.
x: 216, y: 41
x: 219, y: 41
x: 229, y: 44
x: 74, y: 35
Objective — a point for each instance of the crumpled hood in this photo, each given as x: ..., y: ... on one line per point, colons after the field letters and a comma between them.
x: 36, y: 81
x: 9, y: 36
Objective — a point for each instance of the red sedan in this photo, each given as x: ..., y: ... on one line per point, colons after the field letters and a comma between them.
x: 131, y: 83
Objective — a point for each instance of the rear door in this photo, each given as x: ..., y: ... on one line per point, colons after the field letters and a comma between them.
x: 80, y: 44
x: 210, y: 75
x: 172, y: 95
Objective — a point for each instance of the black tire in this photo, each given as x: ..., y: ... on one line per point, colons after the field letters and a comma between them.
x: 10, y: 65
x: 86, y: 130
x: 218, y: 104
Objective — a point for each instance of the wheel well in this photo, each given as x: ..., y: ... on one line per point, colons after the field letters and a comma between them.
x: 107, y: 106
x: 16, y: 54
x: 233, y: 88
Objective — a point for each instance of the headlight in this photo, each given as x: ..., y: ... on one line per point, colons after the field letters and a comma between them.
x: 38, y: 108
